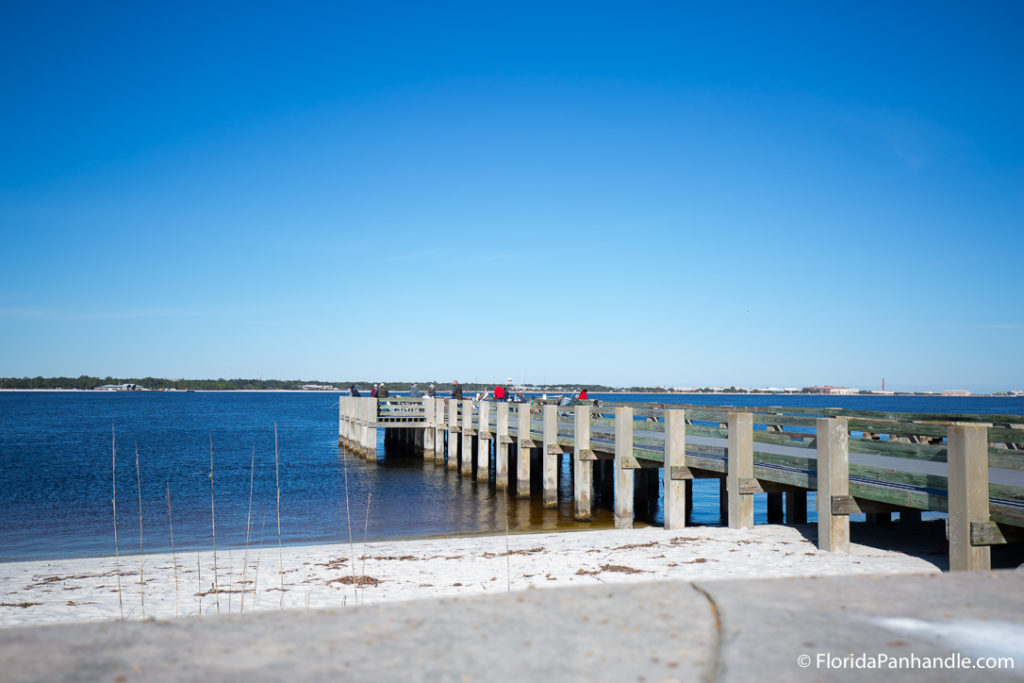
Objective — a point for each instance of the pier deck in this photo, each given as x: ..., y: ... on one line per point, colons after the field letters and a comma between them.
x: 969, y: 466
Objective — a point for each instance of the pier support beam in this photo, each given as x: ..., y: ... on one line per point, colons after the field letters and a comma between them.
x: 582, y: 466
x: 345, y: 426
x: 723, y: 501
x: 439, y: 431
x: 349, y: 426
x: 910, y: 516
x: 968, y: 495
x: 623, y: 468
x: 833, y: 480
x: 796, y: 506
x: 359, y: 439
x: 775, y: 507
x: 501, y: 442
x: 675, y: 474
x: 483, y: 443
x: 551, y: 455
x: 426, y: 437
x: 370, y: 433
x: 524, y: 443
x: 453, y: 434
x: 467, y: 439
x: 689, y: 501
x: 740, y: 470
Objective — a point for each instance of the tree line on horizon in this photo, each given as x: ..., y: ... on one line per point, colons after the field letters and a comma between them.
x: 86, y: 382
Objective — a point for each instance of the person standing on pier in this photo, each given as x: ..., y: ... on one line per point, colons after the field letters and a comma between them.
x: 499, y: 393
x: 456, y: 390
x: 431, y: 391
x: 373, y: 392
x: 352, y: 391
x: 415, y: 391
x: 583, y: 394
x: 383, y: 391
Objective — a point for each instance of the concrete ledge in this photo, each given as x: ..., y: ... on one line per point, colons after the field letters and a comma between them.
x: 715, y: 630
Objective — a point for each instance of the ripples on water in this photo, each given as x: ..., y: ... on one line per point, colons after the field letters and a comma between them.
x: 55, y: 475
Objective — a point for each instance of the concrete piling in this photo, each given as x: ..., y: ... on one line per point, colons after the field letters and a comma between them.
x: 968, y: 495
x: 740, y: 470
x: 524, y: 443
x: 454, y: 428
x: 623, y: 468
x: 501, y: 443
x: 833, y: 482
x: 466, y: 467
x: 583, y: 461
x: 675, y: 474
x: 433, y: 427
x: 483, y: 452
x: 550, y: 456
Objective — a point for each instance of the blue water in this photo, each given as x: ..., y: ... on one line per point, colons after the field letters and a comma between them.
x: 56, y: 482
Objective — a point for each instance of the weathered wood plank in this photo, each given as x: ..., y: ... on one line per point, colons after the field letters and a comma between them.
x: 992, y: 533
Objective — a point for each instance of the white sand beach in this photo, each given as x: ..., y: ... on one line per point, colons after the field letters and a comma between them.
x: 325, y: 576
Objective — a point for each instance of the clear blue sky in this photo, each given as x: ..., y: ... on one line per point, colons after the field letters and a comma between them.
x: 764, y: 194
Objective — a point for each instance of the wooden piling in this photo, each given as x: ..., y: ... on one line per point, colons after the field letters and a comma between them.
x: 833, y: 481
x: 501, y: 442
x: 551, y: 455
x: 623, y: 468
x: 674, y: 473
x: 583, y: 466
x: 740, y: 470
x: 967, y: 461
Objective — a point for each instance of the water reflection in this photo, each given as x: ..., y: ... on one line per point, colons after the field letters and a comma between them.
x: 414, y: 496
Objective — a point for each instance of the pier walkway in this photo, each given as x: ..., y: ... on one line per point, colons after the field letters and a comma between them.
x: 969, y: 466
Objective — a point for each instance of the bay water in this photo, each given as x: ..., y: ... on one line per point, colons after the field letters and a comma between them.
x: 63, y: 455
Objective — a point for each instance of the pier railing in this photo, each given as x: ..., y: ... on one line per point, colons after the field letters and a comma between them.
x: 969, y: 466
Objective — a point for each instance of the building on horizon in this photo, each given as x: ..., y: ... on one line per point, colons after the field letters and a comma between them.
x: 831, y: 390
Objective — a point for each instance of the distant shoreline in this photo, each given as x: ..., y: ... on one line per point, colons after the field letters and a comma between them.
x: 540, y: 391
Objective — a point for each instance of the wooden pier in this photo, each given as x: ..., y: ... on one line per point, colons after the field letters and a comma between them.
x: 970, y: 466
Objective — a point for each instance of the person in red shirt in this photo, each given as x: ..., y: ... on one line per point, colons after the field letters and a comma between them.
x: 583, y: 394
x: 499, y: 393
